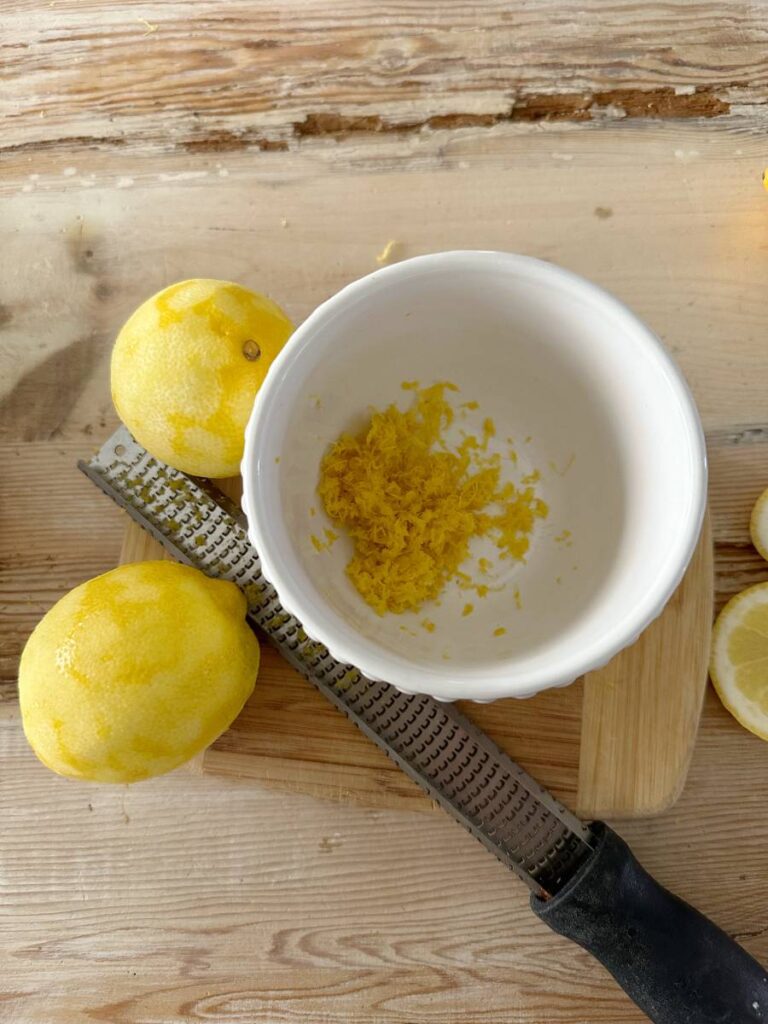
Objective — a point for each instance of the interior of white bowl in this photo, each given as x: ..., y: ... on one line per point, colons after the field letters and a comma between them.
x: 575, y: 385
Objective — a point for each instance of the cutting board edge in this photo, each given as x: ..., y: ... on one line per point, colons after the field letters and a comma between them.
x: 702, y: 566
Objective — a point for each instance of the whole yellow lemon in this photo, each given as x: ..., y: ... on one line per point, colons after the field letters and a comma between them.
x: 186, y: 368
x: 136, y: 671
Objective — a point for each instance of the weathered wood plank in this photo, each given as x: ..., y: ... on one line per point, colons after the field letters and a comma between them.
x: 83, y: 249
x: 233, y: 75
x: 181, y: 899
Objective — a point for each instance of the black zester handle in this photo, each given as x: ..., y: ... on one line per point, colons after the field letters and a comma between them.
x: 673, y: 962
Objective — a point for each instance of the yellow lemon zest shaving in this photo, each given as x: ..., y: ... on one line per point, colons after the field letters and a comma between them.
x: 411, y: 507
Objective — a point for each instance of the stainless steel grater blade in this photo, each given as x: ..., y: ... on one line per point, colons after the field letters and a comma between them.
x: 438, y: 747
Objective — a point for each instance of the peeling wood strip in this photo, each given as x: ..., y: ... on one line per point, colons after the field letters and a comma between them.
x: 536, y: 108
x: 663, y: 103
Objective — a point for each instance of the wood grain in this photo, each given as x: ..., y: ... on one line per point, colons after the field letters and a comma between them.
x: 283, y: 145
x: 266, y: 75
x: 299, y: 228
x: 186, y: 899
x: 640, y: 714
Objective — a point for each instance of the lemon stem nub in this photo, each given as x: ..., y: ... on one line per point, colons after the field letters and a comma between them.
x: 251, y: 350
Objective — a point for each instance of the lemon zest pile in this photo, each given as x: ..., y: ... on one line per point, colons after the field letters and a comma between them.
x: 411, y: 506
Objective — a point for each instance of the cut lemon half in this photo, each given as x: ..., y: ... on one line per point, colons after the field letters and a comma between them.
x: 739, y: 661
x: 758, y: 525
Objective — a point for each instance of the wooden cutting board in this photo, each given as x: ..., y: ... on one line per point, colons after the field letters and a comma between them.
x: 615, y: 744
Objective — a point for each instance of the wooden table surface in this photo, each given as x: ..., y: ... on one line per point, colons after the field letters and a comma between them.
x: 283, y: 145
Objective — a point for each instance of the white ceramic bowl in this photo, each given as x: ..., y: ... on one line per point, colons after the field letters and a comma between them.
x: 591, y: 399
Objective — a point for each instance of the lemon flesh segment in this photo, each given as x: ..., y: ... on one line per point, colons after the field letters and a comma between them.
x: 739, y: 661
x: 133, y: 673
x: 758, y: 525
x: 186, y: 368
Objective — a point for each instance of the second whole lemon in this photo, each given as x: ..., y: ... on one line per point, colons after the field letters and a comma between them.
x: 136, y: 671
x: 186, y: 368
